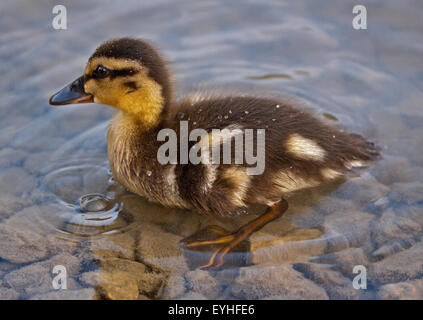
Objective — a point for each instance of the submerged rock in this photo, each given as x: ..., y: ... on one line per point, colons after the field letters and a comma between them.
x: 283, y: 281
x: 91, y: 278
x: 161, y: 249
x: 193, y: 296
x: 23, y: 182
x: 10, y: 205
x: 8, y: 133
x: 68, y: 188
x: 36, y: 161
x: 37, y: 278
x: 120, y: 245
x: 344, y: 260
x: 363, y: 189
x: 11, y: 157
x: 202, y: 282
x: 393, y: 169
x: 401, y: 266
x: 5, y: 267
x: 336, y: 285
x: 81, y: 294
x: 393, y: 225
x: 139, y: 279
x: 175, y: 287
x: 347, y: 229
x: 119, y: 286
x: 8, y: 294
x: 20, y: 246
x: 407, y: 192
x: 332, y: 205
x: 407, y: 290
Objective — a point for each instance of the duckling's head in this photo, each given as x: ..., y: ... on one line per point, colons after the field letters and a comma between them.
x: 128, y: 74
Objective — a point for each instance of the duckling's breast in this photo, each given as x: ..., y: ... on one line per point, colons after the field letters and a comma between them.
x: 132, y: 155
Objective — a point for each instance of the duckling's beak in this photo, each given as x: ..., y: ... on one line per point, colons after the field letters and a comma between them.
x: 71, y: 94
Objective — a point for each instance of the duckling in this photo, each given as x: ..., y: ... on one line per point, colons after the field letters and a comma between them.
x: 301, y: 150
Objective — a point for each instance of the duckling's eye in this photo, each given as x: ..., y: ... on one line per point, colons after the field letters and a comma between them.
x: 101, y: 72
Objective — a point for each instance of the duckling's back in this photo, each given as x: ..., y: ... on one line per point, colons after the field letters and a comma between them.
x: 300, y: 151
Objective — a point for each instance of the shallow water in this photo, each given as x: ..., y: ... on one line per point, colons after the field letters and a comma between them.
x: 59, y: 204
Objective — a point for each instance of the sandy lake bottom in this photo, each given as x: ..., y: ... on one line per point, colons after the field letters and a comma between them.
x: 59, y: 204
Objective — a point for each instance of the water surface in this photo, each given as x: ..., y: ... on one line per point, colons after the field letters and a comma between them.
x: 59, y: 204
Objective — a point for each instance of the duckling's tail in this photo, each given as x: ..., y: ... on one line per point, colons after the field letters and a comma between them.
x: 365, y: 152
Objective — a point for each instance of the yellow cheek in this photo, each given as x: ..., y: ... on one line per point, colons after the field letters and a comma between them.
x: 105, y: 92
x: 90, y: 87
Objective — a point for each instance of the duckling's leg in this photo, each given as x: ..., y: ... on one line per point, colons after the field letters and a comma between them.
x: 230, y: 241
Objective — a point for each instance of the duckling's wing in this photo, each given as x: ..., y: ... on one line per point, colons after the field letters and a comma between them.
x: 300, y: 151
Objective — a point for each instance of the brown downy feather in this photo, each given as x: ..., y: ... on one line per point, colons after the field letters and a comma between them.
x: 301, y: 150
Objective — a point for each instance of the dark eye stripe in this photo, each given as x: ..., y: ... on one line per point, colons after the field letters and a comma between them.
x: 115, y: 73
x: 122, y: 73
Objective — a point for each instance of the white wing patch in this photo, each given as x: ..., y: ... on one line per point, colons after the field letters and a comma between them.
x: 330, y: 174
x: 304, y: 148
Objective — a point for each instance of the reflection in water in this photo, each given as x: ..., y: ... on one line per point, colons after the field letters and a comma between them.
x: 270, y: 76
x: 89, y: 214
x: 60, y: 205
